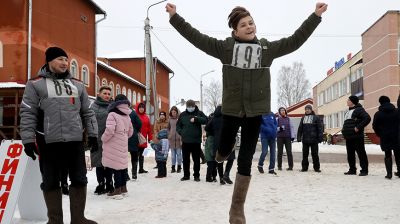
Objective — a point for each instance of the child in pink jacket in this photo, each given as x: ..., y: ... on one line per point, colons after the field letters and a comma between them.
x: 115, y: 143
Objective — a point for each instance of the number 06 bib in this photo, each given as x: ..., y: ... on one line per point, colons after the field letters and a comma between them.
x: 61, y: 88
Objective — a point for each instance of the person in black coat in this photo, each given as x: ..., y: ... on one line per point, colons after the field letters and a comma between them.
x: 386, y: 127
x: 310, y: 133
x: 355, y: 120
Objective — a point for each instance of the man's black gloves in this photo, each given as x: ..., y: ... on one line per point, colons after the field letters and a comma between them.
x: 92, y: 142
x: 30, y: 150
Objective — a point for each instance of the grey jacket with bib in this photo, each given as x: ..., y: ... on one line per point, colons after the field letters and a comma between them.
x: 65, y: 105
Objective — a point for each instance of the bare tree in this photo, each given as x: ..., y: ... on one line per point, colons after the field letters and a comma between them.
x: 293, y: 86
x: 212, y: 96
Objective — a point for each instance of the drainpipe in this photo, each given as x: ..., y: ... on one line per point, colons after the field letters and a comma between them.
x: 169, y: 89
x: 29, y: 40
x: 95, y: 49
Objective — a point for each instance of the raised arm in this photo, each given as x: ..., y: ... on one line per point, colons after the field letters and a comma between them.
x: 209, y: 45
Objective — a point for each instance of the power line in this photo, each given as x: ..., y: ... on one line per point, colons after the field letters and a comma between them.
x: 165, y: 29
x: 170, y: 53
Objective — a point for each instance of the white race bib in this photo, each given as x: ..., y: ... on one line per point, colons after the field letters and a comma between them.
x: 61, y: 88
x: 247, y: 56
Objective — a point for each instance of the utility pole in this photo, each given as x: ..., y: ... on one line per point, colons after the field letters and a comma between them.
x: 149, y: 58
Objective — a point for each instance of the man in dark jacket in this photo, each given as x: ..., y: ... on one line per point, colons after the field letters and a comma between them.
x: 310, y: 133
x: 355, y: 120
x: 189, y: 128
x: 99, y: 106
x: 65, y: 104
x: 386, y: 127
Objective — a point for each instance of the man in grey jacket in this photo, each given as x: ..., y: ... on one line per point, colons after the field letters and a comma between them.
x: 59, y: 103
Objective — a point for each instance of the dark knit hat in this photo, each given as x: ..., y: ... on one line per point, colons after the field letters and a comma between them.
x: 141, y: 105
x: 308, y: 107
x: 162, y: 113
x: 54, y: 52
x: 190, y: 103
x: 122, y: 99
x: 384, y: 99
x: 354, y: 99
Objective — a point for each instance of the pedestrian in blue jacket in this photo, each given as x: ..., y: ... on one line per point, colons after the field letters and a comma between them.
x: 268, y: 130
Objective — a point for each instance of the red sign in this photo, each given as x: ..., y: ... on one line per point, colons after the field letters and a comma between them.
x: 11, y: 174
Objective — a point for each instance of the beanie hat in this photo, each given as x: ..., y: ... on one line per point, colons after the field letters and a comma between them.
x: 308, y: 107
x: 190, y: 103
x: 141, y: 105
x: 121, y: 99
x: 54, y: 52
x: 162, y: 113
x: 384, y: 99
x: 354, y: 99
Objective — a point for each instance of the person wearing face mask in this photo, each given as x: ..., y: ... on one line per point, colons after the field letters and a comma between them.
x: 310, y: 134
x: 246, y: 87
x: 189, y: 128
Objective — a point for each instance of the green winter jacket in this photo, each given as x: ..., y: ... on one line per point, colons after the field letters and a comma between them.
x: 246, y: 75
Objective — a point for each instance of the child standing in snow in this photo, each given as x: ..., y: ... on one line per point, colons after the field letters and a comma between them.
x: 161, y: 150
x: 115, y: 143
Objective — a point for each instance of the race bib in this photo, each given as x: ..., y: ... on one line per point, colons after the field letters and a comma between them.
x: 246, y: 56
x: 61, y: 88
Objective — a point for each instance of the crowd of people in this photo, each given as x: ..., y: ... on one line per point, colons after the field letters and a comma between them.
x: 57, y: 117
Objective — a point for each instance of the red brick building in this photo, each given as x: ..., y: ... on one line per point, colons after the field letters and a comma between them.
x: 29, y: 27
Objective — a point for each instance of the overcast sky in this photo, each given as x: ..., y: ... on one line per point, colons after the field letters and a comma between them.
x: 338, y: 34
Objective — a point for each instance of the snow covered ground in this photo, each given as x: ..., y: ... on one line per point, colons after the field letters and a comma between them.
x: 290, y: 197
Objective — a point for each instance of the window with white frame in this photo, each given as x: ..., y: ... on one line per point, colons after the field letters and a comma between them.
x: 159, y: 102
x: 144, y: 98
x: 348, y: 84
x: 111, y: 85
x: 97, y: 84
x: 124, y: 90
x: 73, y: 68
x: 138, y: 98
x: 398, y: 50
x: 104, y: 82
x: 129, y: 96
x: 134, y: 98
x: 117, y: 89
x: 1, y: 54
x: 85, y: 75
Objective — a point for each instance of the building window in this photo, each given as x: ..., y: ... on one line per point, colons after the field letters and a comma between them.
x: 104, y: 82
x: 1, y: 54
x: 73, y: 68
x: 124, y: 90
x: 134, y: 98
x: 138, y: 98
x: 398, y: 50
x: 111, y: 85
x: 159, y: 102
x: 97, y: 84
x: 85, y: 75
x: 117, y: 89
x: 129, y: 95
x: 144, y: 98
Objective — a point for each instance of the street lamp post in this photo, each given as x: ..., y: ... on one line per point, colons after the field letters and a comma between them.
x: 149, y: 58
x: 201, y: 88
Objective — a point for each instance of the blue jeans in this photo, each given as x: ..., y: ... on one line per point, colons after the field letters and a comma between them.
x: 176, y: 156
x: 265, y: 142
